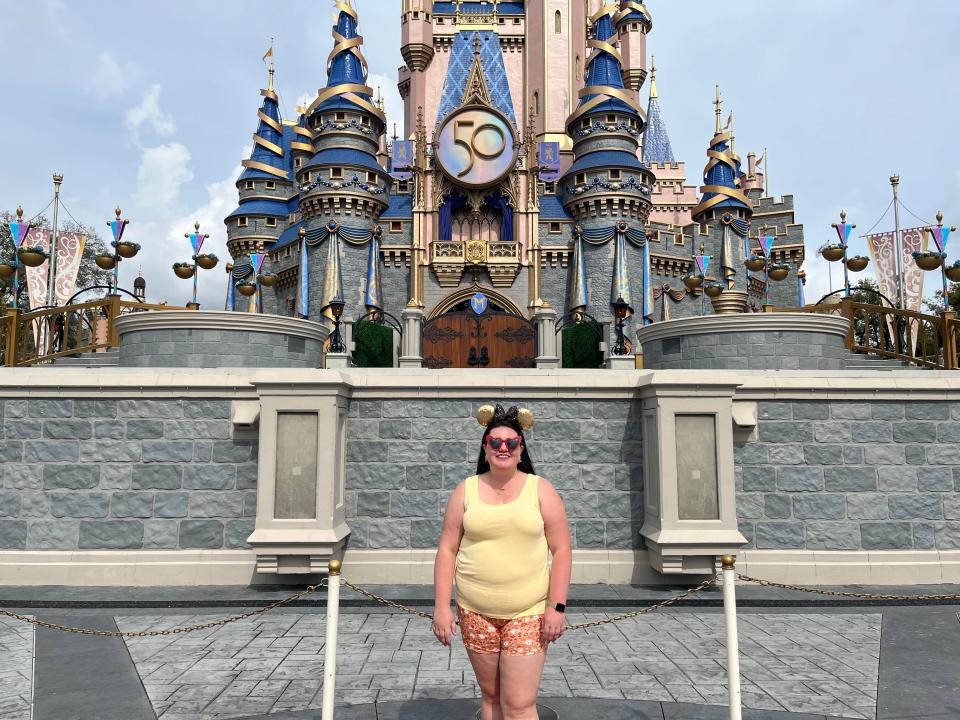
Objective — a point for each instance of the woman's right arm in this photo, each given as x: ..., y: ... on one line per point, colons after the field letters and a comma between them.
x: 444, y: 624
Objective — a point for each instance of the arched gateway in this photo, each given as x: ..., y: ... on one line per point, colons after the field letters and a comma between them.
x: 478, y: 329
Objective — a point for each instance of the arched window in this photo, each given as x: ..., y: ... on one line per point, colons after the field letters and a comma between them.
x: 578, y: 67
x: 536, y: 103
x: 557, y: 23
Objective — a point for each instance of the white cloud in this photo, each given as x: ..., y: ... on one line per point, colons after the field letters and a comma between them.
x: 163, y: 169
x: 110, y: 78
x: 149, y: 112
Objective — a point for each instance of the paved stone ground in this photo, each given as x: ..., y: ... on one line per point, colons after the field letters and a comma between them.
x: 16, y: 669
x: 815, y: 663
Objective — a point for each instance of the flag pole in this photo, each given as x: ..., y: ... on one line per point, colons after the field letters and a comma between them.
x: 766, y: 173
x: 898, y: 241
x: 52, y: 271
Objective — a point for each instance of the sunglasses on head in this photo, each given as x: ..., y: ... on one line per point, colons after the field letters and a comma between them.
x: 497, y: 443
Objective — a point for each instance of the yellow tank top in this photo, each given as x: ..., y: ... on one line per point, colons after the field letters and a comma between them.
x: 502, y: 564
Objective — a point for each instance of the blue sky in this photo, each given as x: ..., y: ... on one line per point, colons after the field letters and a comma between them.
x: 151, y: 106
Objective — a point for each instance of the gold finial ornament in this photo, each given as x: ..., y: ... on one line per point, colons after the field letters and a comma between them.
x: 939, y: 217
x: 525, y: 418
x: 728, y: 561
x: 19, y: 214
x: 843, y: 216
x: 653, y: 77
x: 484, y: 414
x: 196, y: 225
x: 302, y: 232
x: 717, y: 103
x: 117, y: 211
x: 333, y: 567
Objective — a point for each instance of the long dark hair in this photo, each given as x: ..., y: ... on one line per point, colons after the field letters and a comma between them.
x: 525, y: 464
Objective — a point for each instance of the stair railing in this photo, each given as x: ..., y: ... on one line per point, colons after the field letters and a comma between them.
x: 42, y: 336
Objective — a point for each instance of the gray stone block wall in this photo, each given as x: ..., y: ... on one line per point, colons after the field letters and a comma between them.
x: 218, y: 348
x: 852, y: 476
x: 123, y: 474
x: 747, y: 351
x: 405, y: 457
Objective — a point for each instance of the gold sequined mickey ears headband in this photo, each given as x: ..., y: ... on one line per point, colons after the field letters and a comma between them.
x: 486, y: 414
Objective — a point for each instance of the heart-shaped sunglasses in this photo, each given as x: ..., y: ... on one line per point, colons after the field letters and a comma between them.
x: 497, y: 443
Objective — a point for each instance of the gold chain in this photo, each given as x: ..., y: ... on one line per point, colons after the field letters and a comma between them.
x: 171, y: 631
x: 839, y: 593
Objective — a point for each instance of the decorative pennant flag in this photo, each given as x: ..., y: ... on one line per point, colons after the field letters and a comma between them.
x: 257, y: 260
x: 703, y: 262
x: 117, y: 227
x: 766, y: 242
x: 402, y: 159
x: 941, y: 235
x: 37, y: 277
x: 548, y: 157
x: 18, y: 231
x: 843, y: 231
x: 196, y: 241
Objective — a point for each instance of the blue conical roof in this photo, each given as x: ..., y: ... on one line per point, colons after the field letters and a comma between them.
x: 346, y: 67
x: 269, y: 144
x: 604, y: 69
x: 656, y: 142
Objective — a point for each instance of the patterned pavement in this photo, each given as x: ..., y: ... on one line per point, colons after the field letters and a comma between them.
x: 824, y: 663
x: 16, y: 669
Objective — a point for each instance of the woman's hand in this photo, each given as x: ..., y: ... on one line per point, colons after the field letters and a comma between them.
x: 554, y: 623
x: 444, y: 626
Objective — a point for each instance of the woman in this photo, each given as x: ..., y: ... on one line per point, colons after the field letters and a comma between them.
x: 496, y: 532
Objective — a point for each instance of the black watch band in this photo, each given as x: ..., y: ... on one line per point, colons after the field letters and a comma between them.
x: 560, y: 607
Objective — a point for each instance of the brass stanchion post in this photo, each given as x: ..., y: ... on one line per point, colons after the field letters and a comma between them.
x: 733, y: 649
x: 330, y: 648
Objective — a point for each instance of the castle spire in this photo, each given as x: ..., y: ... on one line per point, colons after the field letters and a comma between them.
x: 721, y: 176
x: 656, y: 142
x: 347, y: 67
x: 267, y: 158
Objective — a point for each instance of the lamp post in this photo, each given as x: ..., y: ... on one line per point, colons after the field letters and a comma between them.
x: 336, y: 339
x: 620, y: 311
x: 832, y: 252
x: 206, y: 261
x: 121, y: 249
x: 764, y: 262
x: 925, y: 261
x: 248, y: 287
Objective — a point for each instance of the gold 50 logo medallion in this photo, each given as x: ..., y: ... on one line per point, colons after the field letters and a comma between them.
x: 475, y: 147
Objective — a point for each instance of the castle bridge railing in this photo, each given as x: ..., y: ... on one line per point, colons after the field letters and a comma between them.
x: 927, y: 341
x: 42, y: 336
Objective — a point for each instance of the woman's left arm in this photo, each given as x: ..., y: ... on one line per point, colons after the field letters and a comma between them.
x: 558, y: 539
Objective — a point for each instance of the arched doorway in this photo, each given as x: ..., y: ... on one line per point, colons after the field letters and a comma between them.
x: 478, y: 329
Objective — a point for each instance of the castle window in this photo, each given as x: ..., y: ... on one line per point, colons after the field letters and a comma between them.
x: 557, y: 23
x: 501, y: 21
x: 371, y: 177
x: 297, y: 162
x: 581, y: 179
x: 241, y: 222
x: 584, y: 123
x: 341, y: 116
x: 271, y: 222
x: 634, y: 26
x: 416, y: 15
x: 536, y: 103
x: 336, y: 173
x: 248, y: 185
x: 403, y: 186
x: 364, y: 120
x: 550, y: 188
x: 516, y: 21
x: 286, y: 251
x: 614, y: 174
x: 396, y: 226
x: 611, y: 118
x: 578, y: 67
x: 554, y: 228
x: 678, y: 240
x: 271, y: 185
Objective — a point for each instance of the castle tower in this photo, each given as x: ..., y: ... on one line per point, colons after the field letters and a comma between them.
x: 607, y: 189
x: 342, y: 186
x: 265, y: 185
x: 416, y: 46
x: 633, y: 22
x: 724, y: 209
x: 673, y: 199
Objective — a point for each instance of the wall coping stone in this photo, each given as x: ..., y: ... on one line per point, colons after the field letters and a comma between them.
x: 746, y: 323
x: 220, y: 320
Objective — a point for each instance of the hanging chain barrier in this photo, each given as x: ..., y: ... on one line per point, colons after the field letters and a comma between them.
x: 171, y: 631
x: 581, y: 626
x: 844, y: 593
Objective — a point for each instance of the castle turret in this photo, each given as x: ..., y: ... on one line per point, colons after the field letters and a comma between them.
x: 265, y: 185
x: 633, y: 22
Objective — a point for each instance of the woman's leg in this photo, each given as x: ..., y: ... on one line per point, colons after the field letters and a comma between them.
x: 519, y: 682
x: 486, y: 666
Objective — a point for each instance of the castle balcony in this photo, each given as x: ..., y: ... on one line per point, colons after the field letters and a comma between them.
x: 449, y: 259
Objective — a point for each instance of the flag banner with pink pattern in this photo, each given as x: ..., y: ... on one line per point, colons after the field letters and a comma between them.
x: 883, y: 250
x: 37, y: 276
x: 69, y: 254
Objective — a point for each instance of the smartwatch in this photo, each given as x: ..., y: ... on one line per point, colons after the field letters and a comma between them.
x: 559, y: 607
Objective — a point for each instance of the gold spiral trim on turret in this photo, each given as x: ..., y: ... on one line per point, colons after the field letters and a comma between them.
x: 302, y: 147
x: 263, y: 167
x: 627, y: 7
x: 302, y: 131
x: 267, y: 93
x: 268, y: 145
x: 270, y: 121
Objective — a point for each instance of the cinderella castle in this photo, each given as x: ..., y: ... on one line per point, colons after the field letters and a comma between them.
x: 529, y: 192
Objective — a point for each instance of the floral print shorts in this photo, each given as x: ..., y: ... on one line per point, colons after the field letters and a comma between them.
x: 520, y: 636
